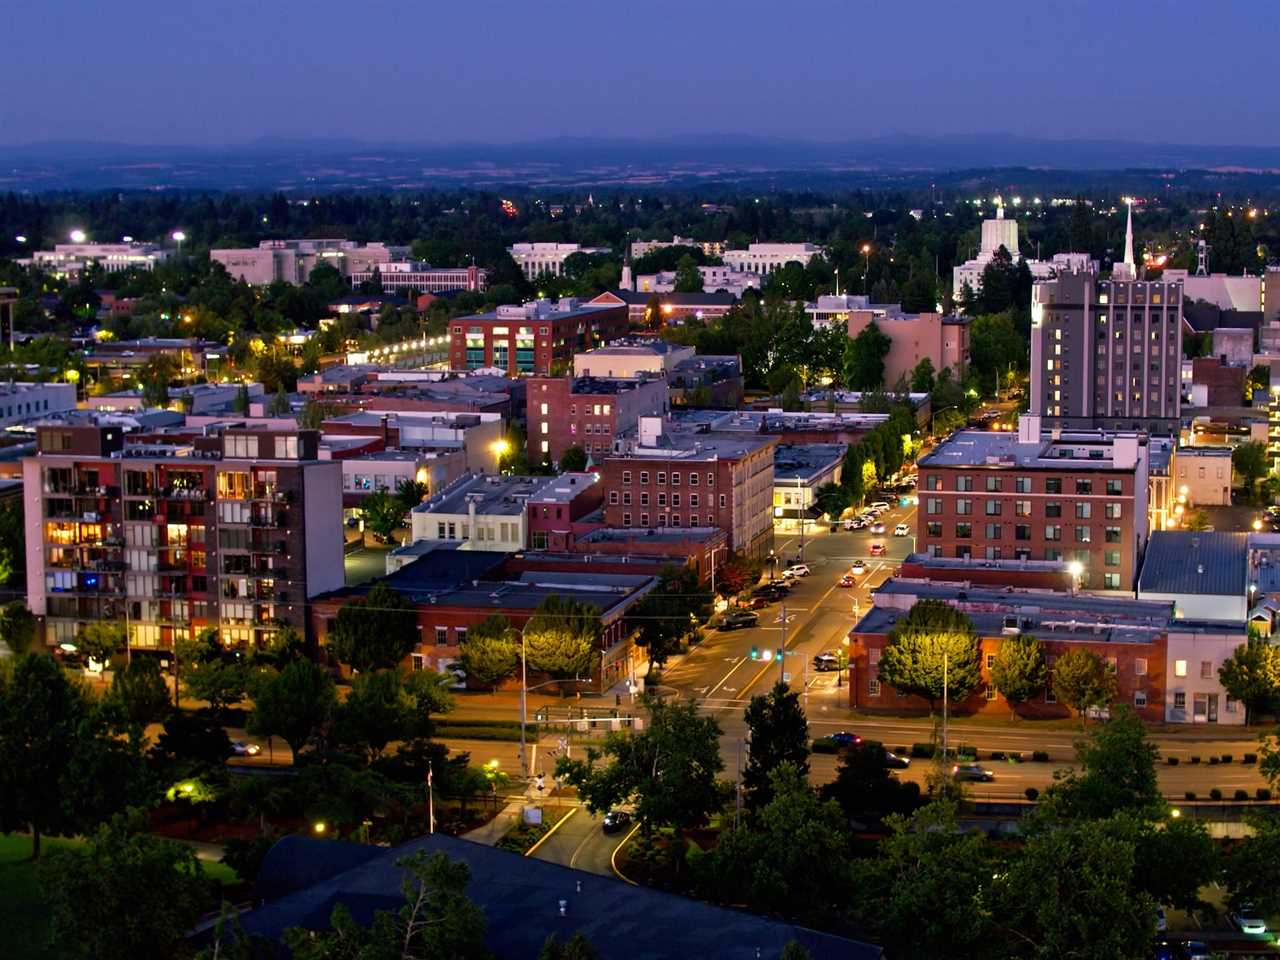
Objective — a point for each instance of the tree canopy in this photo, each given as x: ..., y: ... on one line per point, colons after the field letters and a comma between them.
x: 933, y: 639
x: 376, y: 631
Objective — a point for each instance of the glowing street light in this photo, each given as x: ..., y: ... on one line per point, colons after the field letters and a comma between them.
x: 78, y: 236
x: 1257, y: 525
x: 178, y: 236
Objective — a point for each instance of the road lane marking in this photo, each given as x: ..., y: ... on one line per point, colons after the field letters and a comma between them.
x: 573, y: 860
x: 740, y: 662
x: 547, y: 836
x: 613, y: 857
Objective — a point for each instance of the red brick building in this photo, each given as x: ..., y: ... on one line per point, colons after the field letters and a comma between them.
x: 1223, y: 385
x: 588, y: 412
x: 533, y: 338
x: 553, y: 513
x: 685, y: 478
x: 1130, y: 635
x: 1079, y: 497
x: 671, y: 307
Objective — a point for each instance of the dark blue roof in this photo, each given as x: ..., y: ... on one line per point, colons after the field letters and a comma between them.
x: 1195, y: 564
x: 520, y: 895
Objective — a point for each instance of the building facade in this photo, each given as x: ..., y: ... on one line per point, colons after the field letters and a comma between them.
x: 291, y: 261
x: 70, y: 259
x: 533, y: 338
x: 536, y: 259
x: 1203, y: 476
x: 1106, y: 353
x: 235, y: 531
x: 764, y: 258
x: 479, y: 511
x: 1078, y: 497
x: 588, y: 412
x: 397, y: 276
x: 943, y: 341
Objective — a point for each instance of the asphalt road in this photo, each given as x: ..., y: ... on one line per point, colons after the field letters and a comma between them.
x: 582, y: 844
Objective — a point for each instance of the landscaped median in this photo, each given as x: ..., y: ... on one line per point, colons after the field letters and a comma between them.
x: 523, y: 838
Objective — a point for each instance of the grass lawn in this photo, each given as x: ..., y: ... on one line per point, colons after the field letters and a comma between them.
x: 23, y: 916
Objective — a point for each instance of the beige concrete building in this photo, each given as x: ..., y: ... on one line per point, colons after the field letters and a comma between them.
x: 913, y: 337
x: 1203, y: 476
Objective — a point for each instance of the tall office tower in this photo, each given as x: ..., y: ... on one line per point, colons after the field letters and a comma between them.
x: 1107, y: 353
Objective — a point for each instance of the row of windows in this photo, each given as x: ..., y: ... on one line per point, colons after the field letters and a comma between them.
x: 662, y: 498
x: 994, y: 483
x: 670, y: 520
x: 1022, y: 531
x: 661, y: 478
x: 963, y: 507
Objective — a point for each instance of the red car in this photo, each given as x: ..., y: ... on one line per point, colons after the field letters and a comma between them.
x: 755, y: 603
x: 877, y: 549
x: 846, y: 580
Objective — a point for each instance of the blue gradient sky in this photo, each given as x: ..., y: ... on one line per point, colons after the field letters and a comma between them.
x: 226, y: 71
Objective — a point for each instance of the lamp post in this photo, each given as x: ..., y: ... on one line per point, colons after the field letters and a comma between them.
x: 178, y: 236
x: 866, y: 267
x: 714, y: 551
x: 1076, y: 569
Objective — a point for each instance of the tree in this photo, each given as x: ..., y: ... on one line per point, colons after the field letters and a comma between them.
x: 1198, y: 521
x: 574, y: 460
x: 126, y: 896
x: 562, y: 638
x: 1249, y: 460
x: 490, y: 652
x: 13, y: 544
x: 437, y: 920
x: 211, y: 673
x: 792, y: 860
x: 314, y: 413
x: 155, y: 376
x: 653, y: 312
x: 779, y: 733
x: 410, y: 493
x: 377, y: 711
x: 864, y: 358
x: 577, y: 947
x: 669, y: 770
x: 1251, y: 868
x: 1252, y: 675
x: 99, y: 640
x: 1082, y: 681
x: 933, y: 639
x: 994, y: 346
x: 279, y: 405
x: 1117, y: 773
x: 866, y: 790
x: 688, y: 279
x: 924, y: 896
x: 669, y: 613
x: 17, y: 627
x: 922, y: 376
x: 192, y: 739
x: 62, y: 769
x: 1019, y: 671
x: 375, y: 632
x: 832, y: 499
x: 429, y: 692
x: 383, y: 514
x: 241, y: 403
x: 1174, y: 861
x: 293, y: 704
x: 139, y: 691
x: 1070, y: 893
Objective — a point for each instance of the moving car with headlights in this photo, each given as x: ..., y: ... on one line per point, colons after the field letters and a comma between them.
x: 877, y: 550
x: 902, y: 530
x: 972, y: 772
x: 736, y: 619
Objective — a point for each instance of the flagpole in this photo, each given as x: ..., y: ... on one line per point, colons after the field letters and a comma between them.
x: 431, y: 802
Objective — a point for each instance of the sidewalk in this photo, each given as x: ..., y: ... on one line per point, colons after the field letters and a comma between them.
x: 493, y: 831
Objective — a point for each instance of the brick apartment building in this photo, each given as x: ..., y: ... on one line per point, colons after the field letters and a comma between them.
x: 1079, y: 497
x: 671, y: 307
x: 533, y: 338
x: 588, y: 412
x: 554, y: 514
x: 1147, y: 647
x: 236, y: 530
x: 682, y: 478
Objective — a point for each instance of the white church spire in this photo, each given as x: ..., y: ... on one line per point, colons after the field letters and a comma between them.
x: 1127, y: 270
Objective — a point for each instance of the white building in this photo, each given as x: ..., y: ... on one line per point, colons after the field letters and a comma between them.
x: 712, y: 248
x: 20, y: 402
x: 292, y: 261
x: 398, y: 275
x: 69, y: 259
x: 1223, y: 290
x: 1193, y: 692
x: 764, y: 258
x: 714, y: 280
x: 999, y: 233
x: 482, y: 512
x: 539, y: 258
x: 835, y: 308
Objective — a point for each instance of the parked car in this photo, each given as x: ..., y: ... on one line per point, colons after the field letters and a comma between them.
x: 857, y: 568
x: 902, y: 530
x: 1196, y: 950
x: 755, y: 602
x: 796, y: 570
x: 895, y: 762
x: 738, y: 618
x: 972, y: 772
x: 879, y: 505
x: 1162, y: 922
x: 242, y: 748
x: 877, y: 527
x: 826, y: 662
x: 615, y: 821
x: 846, y: 581
x: 845, y: 739
x: 877, y: 549
x: 1247, y: 919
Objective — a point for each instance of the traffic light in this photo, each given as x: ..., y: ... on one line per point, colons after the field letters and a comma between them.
x: 755, y: 653
x: 767, y: 656
x: 781, y: 653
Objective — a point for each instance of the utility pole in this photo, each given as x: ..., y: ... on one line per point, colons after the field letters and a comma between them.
x: 944, y: 707
x: 524, y: 684
x: 782, y: 650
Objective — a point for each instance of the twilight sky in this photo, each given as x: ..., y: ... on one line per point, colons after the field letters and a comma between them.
x: 226, y: 71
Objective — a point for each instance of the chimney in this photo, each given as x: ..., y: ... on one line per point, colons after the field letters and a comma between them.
x: 386, y: 432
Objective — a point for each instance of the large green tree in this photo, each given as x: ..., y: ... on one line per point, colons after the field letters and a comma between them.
x: 18, y: 627
x: 562, y: 638
x: 1082, y: 681
x: 688, y: 279
x: 995, y: 347
x: 669, y: 770
x: 778, y: 733
x: 126, y: 895
x: 376, y: 631
x: 139, y: 691
x: 293, y: 703
x: 933, y: 642
x: 1249, y: 461
x: 573, y: 460
x: 490, y: 652
x: 922, y: 376
x: 1116, y: 773
x: 1252, y: 675
x: 377, y: 711
x: 865, y: 788
x: 666, y: 616
x: 383, y: 514
x: 864, y: 358
x: 1019, y: 671
x: 1251, y: 867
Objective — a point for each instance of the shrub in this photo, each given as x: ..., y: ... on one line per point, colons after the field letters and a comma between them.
x: 1262, y: 793
x: 1171, y: 761
x: 922, y: 751
x: 1190, y: 795
x: 1040, y: 756
x: 966, y: 752
x: 1015, y: 756
x: 1032, y: 794
x: 1213, y: 760
x: 997, y: 754
x: 825, y: 745
x: 902, y: 751
x: 1215, y: 794
x: 1226, y: 758
x: 1250, y: 758
x: 1195, y: 759
x: 1242, y: 795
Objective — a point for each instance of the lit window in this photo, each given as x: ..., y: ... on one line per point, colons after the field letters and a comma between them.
x: 1179, y: 668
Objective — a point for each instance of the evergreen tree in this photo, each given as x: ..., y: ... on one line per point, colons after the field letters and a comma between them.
x: 779, y: 733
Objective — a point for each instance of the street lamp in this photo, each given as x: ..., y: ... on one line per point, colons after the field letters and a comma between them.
x: 178, y: 236
x: 1076, y: 569
x: 866, y: 267
x: 78, y: 236
x: 1257, y: 525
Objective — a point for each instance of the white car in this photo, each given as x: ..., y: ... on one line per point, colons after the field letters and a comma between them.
x: 877, y: 527
x: 902, y: 530
x: 858, y: 568
x: 880, y: 506
x: 1247, y: 919
x: 796, y: 570
x: 242, y: 748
